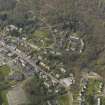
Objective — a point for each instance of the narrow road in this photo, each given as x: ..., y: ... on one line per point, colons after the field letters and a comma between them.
x: 25, y: 58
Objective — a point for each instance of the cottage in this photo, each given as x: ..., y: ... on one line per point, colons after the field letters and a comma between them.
x: 11, y: 28
x: 67, y: 81
x: 46, y: 84
x: 63, y: 70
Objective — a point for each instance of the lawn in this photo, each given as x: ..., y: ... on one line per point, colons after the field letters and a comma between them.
x: 40, y: 38
x: 93, y: 87
x: 4, y: 71
x: 41, y: 33
x: 3, y: 98
x: 103, y: 100
x: 66, y: 99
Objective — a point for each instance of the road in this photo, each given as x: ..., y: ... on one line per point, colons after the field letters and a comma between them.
x: 25, y: 58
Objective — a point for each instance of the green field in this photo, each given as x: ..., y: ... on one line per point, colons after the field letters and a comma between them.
x: 4, y: 70
x: 93, y: 87
x: 92, y: 90
x: 66, y: 99
x: 3, y: 98
x: 4, y: 84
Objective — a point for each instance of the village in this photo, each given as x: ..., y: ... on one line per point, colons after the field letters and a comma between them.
x: 17, y: 53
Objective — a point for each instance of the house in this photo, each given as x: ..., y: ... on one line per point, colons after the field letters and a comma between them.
x: 10, y: 54
x: 11, y: 28
x: 57, y: 76
x: 94, y: 75
x: 74, y: 43
x: 44, y: 65
x: 28, y: 70
x: 12, y: 45
x: 23, y: 62
x: 67, y: 81
x: 49, y: 103
x: 62, y: 70
x: 46, y: 84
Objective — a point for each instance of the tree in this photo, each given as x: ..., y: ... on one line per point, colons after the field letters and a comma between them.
x: 35, y: 90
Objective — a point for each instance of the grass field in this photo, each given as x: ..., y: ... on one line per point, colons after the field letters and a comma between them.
x: 93, y: 87
x: 4, y: 97
x: 4, y: 71
x: 66, y: 99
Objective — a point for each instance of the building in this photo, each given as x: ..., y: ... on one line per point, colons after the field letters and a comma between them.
x: 67, y: 81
